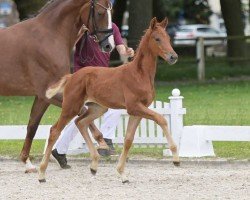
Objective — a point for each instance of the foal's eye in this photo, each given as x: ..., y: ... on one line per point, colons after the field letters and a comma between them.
x: 157, y: 39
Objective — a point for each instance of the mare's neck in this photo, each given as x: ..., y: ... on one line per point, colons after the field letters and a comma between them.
x: 145, y: 60
x: 64, y: 20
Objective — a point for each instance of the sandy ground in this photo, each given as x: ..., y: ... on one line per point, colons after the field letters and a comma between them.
x: 147, y: 181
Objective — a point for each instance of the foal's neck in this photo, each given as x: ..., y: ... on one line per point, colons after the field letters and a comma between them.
x: 145, y: 60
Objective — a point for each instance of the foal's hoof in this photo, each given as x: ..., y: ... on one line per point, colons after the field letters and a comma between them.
x: 93, y: 172
x: 42, y: 181
x: 176, y: 163
x: 28, y: 171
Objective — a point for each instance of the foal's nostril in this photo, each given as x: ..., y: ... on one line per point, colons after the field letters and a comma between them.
x: 173, y: 57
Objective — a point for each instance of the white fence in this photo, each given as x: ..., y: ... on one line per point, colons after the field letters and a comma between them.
x: 196, y: 140
x: 193, y: 141
x: 147, y: 134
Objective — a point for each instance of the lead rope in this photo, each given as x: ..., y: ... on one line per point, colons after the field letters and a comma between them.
x: 85, y: 37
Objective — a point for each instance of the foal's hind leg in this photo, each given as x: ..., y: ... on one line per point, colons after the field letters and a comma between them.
x: 130, y: 133
x: 94, y: 111
x: 54, y: 134
x: 38, y: 109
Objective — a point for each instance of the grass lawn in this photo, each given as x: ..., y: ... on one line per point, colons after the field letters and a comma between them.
x: 211, y: 104
x: 215, y: 69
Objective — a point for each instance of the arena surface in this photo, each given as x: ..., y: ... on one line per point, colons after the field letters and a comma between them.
x: 148, y: 181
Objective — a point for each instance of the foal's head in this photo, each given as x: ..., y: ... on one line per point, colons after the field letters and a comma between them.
x: 96, y: 15
x: 159, y: 41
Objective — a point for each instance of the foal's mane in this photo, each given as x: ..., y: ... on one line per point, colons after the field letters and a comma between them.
x: 139, y: 53
x: 143, y: 39
x: 49, y: 5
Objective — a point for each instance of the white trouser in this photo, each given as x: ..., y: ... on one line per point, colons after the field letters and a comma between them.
x: 108, y: 127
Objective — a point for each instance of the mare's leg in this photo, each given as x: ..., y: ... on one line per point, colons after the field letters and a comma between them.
x: 38, y: 109
x: 143, y: 111
x: 94, y: 111
x: 132, y: 125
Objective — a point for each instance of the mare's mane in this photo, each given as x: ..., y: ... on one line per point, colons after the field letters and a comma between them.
x: 49, y: 5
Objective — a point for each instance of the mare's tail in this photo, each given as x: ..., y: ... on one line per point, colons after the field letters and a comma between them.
x: 57, y: 87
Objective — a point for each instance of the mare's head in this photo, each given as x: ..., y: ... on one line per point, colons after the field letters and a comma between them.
x: 96, y: 15
x: 159, y: 41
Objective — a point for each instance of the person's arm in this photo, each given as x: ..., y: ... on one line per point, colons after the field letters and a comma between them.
x: 122, y: 49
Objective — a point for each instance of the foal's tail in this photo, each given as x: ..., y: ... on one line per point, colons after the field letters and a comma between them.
x: 57, y: 87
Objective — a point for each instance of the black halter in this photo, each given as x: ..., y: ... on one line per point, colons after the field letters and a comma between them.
x: 96, y: 30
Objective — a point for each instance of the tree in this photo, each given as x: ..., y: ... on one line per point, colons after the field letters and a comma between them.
x: 140, y: 14
x: 28, y: 8
x: 198, y: 11
x: 195, y: 11
x: 232, y: 14
x: 169, y: 8
x: 119, y: 9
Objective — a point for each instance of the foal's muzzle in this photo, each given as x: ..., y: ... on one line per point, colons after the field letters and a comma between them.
x: 172, y: 58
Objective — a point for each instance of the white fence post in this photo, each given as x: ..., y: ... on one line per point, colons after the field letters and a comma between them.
x: 176, y: 116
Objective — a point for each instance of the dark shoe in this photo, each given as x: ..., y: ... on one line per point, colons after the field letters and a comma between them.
x: 112, y: 150
x: 104, y: 152
x: 61, y: 159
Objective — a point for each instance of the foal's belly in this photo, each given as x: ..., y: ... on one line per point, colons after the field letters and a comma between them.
x: 106, y: 103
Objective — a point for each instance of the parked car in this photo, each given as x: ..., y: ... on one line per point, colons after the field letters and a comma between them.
x: 187, y: 35
x: 172, y: 29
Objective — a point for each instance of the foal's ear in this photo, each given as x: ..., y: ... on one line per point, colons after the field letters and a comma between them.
x: 153, y: 23
x: 164, y: 23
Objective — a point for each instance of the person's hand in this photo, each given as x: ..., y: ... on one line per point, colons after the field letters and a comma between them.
x: 125, y: 51
x: 130, y: 52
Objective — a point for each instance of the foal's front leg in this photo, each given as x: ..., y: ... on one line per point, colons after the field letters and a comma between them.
x: 144, y: 112
x: 132, y: 125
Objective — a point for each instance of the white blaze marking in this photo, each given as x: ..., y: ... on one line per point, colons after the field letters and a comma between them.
x: 111, y: 38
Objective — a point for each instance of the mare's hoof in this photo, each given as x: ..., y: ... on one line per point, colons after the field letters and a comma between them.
x: 126, y: 181
x: 177, y: 164
x: 28, y: 171
x: 93, y: 172
x: 42, y: 181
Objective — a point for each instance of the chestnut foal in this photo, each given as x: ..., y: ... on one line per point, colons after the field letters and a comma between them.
x: 130, y: 86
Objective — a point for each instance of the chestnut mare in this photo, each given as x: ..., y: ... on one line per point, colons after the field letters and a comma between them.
x: 130, y: 86
x: 36, y: 53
